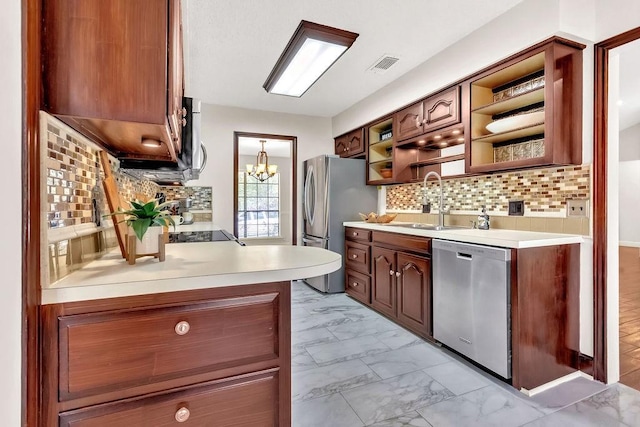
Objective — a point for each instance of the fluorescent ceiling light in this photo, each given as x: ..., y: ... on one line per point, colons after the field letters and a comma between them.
x: 313, y: 48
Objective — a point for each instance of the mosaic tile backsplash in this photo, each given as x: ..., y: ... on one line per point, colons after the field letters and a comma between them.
x: 73, y: 180
x: 201, y: 197
x: 542, y: 190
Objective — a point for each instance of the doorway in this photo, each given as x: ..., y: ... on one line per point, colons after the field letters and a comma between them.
x: 606, y: 205
x: 265, y: 198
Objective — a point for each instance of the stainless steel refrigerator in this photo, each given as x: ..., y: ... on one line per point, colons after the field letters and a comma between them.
x: 334, y: 192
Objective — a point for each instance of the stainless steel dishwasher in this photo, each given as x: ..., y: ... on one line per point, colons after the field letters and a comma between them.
x: 471, y: 302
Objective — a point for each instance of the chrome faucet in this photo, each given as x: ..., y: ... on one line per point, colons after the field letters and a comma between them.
x: 425, y: 201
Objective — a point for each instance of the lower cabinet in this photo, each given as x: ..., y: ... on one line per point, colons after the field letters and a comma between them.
x: 244, y: 401
x: 399, y: 283
x: 401, y: 288
x: 217, y: 356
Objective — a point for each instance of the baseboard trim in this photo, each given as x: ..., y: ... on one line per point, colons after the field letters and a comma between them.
x: 629, y: 244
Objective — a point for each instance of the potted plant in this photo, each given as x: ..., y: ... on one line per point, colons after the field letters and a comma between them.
x: 146, y: 221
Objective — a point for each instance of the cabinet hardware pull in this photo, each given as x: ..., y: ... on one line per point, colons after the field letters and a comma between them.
x: 397, y: 274
x: 354, y: 256
x: 182, y: 111
x: 182, y: 414
x: 355, y: 233
x: 355, y: 283
x: 182, y: 327
x: 391, y: 272
x: 184, y: 122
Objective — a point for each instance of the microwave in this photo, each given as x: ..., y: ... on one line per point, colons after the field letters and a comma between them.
x: 191, y: 160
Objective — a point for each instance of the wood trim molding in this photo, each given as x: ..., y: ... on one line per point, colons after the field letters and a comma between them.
x: 294, y: 178
x: 600, y: 147
x: 31, y: 225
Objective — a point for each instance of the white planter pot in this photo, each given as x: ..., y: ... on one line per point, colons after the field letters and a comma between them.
x: 149, y: 243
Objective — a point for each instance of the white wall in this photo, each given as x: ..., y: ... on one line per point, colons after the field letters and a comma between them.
x: 630, y: 143
x: 629, y: 174
x: 10, y: 244
x: 284, y: 168
x: 218, y: 125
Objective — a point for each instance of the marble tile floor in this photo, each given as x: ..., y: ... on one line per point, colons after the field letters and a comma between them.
x: 352, y: 367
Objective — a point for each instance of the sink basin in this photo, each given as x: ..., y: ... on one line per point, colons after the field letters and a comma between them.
x: 421, y: 226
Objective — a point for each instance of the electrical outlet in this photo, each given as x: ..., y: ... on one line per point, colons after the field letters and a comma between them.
x: 577, y: 207
x: 516, y: 207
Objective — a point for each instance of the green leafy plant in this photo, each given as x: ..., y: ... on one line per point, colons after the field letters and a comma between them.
x: 142, y: 215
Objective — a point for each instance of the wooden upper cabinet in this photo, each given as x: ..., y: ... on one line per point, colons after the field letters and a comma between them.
x: 113, y: 70
x: 350, y: 144
x: 433, y: 113
x: 526, y: 111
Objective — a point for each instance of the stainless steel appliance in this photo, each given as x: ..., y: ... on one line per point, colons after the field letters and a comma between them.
x: 334, y: 192
x: 471, y: 302
x: 190, y: 162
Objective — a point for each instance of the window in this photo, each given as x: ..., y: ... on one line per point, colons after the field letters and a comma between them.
x: 258, y: 206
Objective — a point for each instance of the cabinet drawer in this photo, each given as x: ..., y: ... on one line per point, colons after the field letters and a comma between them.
x: 357, y: 234
x: 420, y: 245
x: 358, y: 285
x: 357, y: 256
x: 115, y: 350
x: 251, y: 400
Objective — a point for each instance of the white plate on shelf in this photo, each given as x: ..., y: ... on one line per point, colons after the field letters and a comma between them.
x: 516, y: 122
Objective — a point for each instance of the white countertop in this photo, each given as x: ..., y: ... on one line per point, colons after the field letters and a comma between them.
x: 496, y: 237
x: 191, y: 266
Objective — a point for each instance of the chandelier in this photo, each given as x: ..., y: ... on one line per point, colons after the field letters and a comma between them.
x: 262, y: 170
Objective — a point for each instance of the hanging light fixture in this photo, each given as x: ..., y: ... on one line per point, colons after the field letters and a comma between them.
x: 262, y: 170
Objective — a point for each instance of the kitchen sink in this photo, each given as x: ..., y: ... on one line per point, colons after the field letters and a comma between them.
x: 421, y: 226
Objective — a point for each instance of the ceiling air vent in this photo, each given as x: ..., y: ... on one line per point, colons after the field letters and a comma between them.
x: 383, y: 64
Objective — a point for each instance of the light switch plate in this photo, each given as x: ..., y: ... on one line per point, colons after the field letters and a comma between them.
x: 577, y: 208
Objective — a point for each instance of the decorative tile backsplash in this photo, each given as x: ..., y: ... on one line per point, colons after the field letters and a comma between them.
x: 201, y: 197
x: 542, y: 190
x: 74, y: 180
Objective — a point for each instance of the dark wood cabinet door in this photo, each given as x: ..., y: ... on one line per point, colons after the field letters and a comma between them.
x: 350, y: 144
x: 442, y: 109
x: 251, y: 400
x: 408, y: 122
x: 176, y: 79
x: 383, y: 289
x: 341, y: 146
x: 414, y: 293
x: 355, y: 143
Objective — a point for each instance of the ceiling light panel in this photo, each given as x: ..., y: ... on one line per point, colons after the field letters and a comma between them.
x: 313, y: 48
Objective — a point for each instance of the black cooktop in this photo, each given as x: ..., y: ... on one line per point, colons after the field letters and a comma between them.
x: 201, y: 236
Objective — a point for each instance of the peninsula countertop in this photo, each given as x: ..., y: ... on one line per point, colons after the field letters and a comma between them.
x: 191, y: 266
x: 495, y: 237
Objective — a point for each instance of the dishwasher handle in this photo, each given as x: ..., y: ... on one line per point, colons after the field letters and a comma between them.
x: 464, y: 256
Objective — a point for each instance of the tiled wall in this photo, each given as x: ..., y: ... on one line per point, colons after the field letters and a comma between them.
x: 73, y: 179
x: 201, y: 197
x: 542, y: 190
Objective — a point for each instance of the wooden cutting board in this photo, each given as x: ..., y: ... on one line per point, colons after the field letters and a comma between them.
x: 115, y: 203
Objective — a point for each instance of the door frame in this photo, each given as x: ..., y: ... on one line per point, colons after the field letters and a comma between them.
x: 294, y: 177
x: 600, y: 147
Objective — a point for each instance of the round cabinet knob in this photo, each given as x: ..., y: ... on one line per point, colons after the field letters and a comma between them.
x: 391, y: 272
x: 182, y: 328
x: 354, y: 256
x: 183, y: 111
x: 184, y: 122
x: 182, y: 414
x: 397, y: 274
x: 355, y: 233
x: 355, y: 283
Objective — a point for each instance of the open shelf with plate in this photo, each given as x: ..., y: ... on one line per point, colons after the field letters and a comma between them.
x: 527, y: 110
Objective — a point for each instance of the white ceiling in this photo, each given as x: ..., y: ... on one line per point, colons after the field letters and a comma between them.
x: 232, y: 45
x: 629, y: 109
